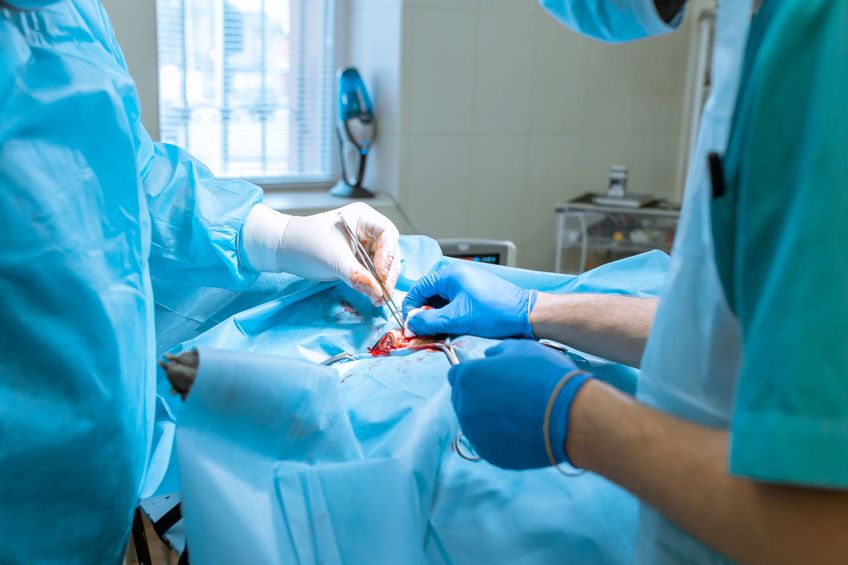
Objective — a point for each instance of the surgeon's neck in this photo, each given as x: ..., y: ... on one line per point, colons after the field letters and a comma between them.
x: 668, y: 9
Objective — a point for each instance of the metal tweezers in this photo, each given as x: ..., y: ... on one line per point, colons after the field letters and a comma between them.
x: 365, y: 259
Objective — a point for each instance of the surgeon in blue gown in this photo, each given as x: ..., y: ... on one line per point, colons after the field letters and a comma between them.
x: 90, y: 207
x: 736, y: 442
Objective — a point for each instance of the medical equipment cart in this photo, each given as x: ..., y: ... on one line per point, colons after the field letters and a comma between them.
x: 589, y: 234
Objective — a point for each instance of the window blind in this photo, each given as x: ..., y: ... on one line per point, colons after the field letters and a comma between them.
x: 247, y: 85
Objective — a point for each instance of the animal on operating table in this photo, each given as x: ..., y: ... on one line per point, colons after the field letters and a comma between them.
x: 181, y: 369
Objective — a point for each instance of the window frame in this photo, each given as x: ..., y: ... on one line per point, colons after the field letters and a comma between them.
x: 304, y: 183
x: 280, y: 184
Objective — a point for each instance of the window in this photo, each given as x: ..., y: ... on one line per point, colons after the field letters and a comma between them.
x: 247, y: 86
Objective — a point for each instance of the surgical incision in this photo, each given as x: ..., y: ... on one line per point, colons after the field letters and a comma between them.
x: 402, y: 339
x: 398, y: 339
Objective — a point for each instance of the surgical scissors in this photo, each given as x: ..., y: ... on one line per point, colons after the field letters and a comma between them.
x: 456, y: 444
x: 366, y: 261
x: 449, y: 351
x: 447, y: 348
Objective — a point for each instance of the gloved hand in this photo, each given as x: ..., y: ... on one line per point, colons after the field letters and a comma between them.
x: 501, y: 400
x: 479, y: 303
x: 317, y: 247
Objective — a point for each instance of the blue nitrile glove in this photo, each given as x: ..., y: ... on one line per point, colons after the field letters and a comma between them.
x: 479, y: 303
x: 501, y: 400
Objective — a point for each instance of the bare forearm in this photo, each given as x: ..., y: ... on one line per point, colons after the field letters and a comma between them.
x: 680, y: 469
x: 610, y: 326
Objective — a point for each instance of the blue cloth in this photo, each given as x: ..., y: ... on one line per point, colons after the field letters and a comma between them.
x: 781, y: 234
x: 478, y: 303
x: 501, y: 401
x: 284, y: 461
x: 90, y: 206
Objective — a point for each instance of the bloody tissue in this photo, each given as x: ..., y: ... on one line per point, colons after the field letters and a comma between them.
x: 397, y: 339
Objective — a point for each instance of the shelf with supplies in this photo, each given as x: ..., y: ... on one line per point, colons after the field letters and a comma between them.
x: 589, y: 234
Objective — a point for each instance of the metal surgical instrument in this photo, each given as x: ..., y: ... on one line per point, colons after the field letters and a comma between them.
x: 339, y: 358
x: 447, y: 348
x: 366, y: 261
x: 457, y: 443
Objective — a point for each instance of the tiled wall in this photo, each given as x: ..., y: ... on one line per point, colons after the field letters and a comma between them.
x: 374, y: 45
x: 135, y: 26
x: 490, y: 111
x: 501, y: 112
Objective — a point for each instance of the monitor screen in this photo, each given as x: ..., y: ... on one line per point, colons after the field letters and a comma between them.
x: 491, y: 258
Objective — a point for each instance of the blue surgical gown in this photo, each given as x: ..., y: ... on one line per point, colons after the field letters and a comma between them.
x: 89, y: 208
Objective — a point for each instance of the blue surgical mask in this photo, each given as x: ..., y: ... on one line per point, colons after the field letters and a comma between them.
x: 29, y: 4
x: 610, y: 20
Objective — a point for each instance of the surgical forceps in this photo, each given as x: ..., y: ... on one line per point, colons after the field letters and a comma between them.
x: 366, y: 261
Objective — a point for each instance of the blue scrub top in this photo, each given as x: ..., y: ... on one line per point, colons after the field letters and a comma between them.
x: 781, y: 233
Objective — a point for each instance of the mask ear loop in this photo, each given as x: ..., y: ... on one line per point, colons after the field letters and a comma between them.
x: 546, y: 426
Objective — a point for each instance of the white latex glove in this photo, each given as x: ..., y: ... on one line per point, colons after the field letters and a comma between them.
x: 317, y: 247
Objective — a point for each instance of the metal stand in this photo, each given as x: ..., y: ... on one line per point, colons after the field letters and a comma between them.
x: 344, y: 190
x: 659, y: 217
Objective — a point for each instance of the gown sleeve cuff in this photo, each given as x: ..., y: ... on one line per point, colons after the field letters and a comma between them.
x: 259, y: 240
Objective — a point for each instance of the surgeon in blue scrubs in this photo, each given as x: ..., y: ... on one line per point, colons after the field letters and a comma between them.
x: 737, y: 441
x: 90, y: 207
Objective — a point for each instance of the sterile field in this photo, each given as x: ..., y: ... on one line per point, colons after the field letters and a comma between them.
x: 284, y: 460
